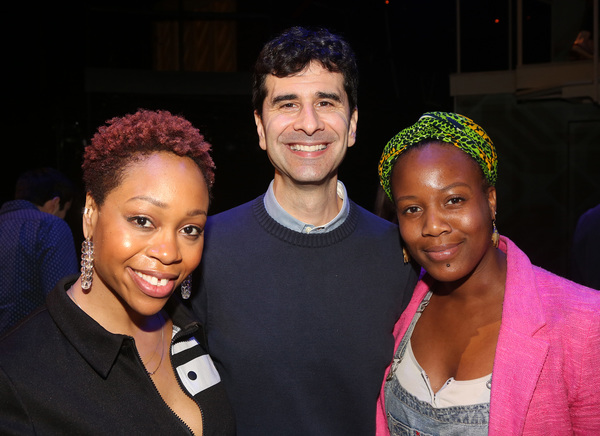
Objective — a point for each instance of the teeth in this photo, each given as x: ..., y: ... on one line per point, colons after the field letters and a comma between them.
x: 308, y: 147
x: 155, y: 281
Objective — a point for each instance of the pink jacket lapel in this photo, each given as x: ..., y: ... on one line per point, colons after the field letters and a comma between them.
x: 522, y: 346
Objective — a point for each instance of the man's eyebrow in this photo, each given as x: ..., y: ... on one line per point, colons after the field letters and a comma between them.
x: 330, y: 95
x: 327, y: 95
x: 285, y: 97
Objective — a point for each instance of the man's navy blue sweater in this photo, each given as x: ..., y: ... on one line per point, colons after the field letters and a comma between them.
x: 300, y: 325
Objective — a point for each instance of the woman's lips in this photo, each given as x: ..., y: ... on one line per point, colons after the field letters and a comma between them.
x: 441, y: 253
x: 153, y: 285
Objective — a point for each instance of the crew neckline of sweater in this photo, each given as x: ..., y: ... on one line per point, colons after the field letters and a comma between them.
x: 305, y: 239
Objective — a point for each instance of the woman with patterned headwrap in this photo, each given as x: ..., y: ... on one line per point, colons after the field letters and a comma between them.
x: 489, y: 344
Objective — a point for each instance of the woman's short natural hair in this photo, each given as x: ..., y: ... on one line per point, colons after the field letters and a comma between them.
x: 124, y: 140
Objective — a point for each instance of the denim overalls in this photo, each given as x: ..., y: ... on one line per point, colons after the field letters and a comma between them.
x: 409, y: 416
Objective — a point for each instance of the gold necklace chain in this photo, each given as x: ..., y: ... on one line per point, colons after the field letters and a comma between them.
x: 162, y: 347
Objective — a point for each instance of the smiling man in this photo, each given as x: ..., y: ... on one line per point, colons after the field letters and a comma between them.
x: 300, y: 288
x: 306, y: 125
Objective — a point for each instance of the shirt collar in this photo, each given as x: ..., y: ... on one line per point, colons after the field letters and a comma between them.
x: 96, y: 345
x: 280, y: 215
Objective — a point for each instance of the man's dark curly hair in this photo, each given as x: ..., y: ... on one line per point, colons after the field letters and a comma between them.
x: 294, y: 49
x: 124, y: 140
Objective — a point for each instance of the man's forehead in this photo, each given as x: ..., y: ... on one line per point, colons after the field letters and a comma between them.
x: 308, y: 83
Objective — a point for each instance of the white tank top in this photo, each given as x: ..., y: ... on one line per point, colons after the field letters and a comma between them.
x: 454, y: 392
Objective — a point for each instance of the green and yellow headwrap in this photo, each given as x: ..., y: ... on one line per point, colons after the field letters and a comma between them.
x: 445, y: 127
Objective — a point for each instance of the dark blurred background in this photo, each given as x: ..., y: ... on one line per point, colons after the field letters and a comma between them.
x: 71, y: 65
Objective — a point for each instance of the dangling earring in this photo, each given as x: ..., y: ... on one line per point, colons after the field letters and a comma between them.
x: 186, y: 287
x: 406, y: 255
x: 495, y: 235
x: 87, y: 263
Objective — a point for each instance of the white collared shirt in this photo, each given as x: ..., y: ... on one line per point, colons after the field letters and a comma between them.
x: 280, y: 215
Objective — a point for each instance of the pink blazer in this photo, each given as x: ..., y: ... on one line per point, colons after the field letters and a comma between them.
x: 546, y: 375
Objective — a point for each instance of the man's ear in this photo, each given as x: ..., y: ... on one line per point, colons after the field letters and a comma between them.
x: 260, y: 129
x: 352, y: 127
x: 51, y: 206
x: 90, y: 216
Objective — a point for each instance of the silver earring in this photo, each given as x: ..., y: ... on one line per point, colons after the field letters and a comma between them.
x: 87, y: 263
x: 186, y: 287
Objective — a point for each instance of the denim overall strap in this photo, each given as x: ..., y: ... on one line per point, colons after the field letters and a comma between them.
x: 402, y: 346
x: 407, y: 415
